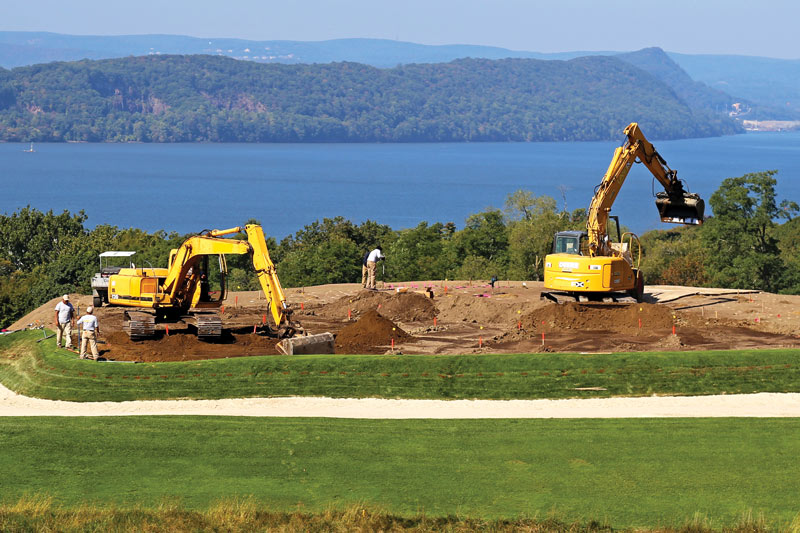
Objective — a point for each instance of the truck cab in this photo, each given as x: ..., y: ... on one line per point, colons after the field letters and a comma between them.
x: 110, y: 263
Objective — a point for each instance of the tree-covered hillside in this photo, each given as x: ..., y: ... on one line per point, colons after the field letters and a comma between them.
x: 207, y: 98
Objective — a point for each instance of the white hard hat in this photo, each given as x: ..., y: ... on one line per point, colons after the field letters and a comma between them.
x: 89, y: 309
x: 65, y: 297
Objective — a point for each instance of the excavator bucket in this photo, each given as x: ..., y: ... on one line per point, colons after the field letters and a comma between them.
x: 684, y: 209
x: 321, y: 343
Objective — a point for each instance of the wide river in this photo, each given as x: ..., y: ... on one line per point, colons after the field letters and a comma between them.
x: 190, y: 187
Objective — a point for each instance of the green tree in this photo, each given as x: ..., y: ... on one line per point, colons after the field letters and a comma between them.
x: 532, y: 223
x: 31, y: 237
x: 419, y: 253
x: 740, y: 238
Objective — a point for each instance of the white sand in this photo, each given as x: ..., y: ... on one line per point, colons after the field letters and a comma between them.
x: 733, y: 405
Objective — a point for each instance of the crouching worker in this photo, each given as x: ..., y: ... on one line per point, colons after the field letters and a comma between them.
x: 90, y: 330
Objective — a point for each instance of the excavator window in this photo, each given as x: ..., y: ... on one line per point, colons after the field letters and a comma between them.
x: 567, y: 244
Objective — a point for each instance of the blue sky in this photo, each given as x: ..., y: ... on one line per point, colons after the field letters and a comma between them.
x: 765, y: 28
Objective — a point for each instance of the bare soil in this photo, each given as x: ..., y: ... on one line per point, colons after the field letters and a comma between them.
x: 470, y: 317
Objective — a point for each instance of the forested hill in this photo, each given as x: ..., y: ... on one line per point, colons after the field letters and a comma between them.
x: 217, y: 99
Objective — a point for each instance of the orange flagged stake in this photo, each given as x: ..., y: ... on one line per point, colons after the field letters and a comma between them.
x: 302, y: 307
x: 673, y: 329
x: 254, y: 328
x: 264, y: 318
x: 349, y: 314
x: 236, y: 301
x: 434, y: 321
x: 392, y: 344
x: 519, y: 326
x: 640, y: 323
x: 167, y: 326
x: 480, y: 342
x: 222, y: 309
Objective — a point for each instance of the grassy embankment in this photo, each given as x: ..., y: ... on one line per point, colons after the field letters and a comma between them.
x: 626, y: 473
x: 40, y: 370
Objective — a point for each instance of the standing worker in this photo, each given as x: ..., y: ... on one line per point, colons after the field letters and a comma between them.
x: 65, y: 315
x: 372, y: 260
x: 90, y: 330
x: 364, y: 269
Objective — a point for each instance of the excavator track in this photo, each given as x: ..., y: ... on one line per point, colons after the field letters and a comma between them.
x: 139, y: 326
x: 566, y: 297
x: 209, y: 325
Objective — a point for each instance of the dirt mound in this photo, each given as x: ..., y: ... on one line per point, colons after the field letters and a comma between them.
x: 372, y: 333
x: 600, y: 317
x: 399, y: 307
x: 185, y: 347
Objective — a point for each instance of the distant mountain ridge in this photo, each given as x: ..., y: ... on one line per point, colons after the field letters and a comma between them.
x: 217, y: 99
x: 771, y: 84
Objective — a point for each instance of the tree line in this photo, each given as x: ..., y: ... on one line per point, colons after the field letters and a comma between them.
x: 751, y: 242
x: 217, y: 99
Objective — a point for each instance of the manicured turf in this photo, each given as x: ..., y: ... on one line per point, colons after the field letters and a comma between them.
x: 625, y: 472
x: 40, y: 370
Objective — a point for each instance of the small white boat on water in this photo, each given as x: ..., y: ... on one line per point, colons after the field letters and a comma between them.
x: 31, y: 150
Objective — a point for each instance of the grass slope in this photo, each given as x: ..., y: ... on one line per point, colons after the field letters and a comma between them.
x: 626, y: 472
x: 40, y: 370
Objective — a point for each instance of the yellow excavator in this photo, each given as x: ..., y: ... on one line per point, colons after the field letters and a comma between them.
x: 182, y: 291
x: 587, y: 265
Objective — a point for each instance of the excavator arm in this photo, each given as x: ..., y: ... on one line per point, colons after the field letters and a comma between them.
x: 256, y: 247
x: 674, y: 204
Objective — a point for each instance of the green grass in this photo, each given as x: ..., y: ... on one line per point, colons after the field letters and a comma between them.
x: 40, y: 370
x: 626, y: 473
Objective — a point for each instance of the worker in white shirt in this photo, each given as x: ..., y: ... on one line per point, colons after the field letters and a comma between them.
x: 372, y: 262
x: 65, y: 316
x: 90, y: 330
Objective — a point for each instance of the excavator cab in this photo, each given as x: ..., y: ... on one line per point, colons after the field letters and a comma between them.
x: 685, y: 208
x: 569, y: 242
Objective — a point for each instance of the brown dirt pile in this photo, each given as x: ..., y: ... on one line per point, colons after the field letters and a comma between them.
x: 371, y: 333
x: 600, y: 317
x: 399, y: 307
x: 185, y: 347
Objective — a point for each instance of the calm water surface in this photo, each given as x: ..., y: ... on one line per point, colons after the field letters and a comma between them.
x: 189, y: 187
